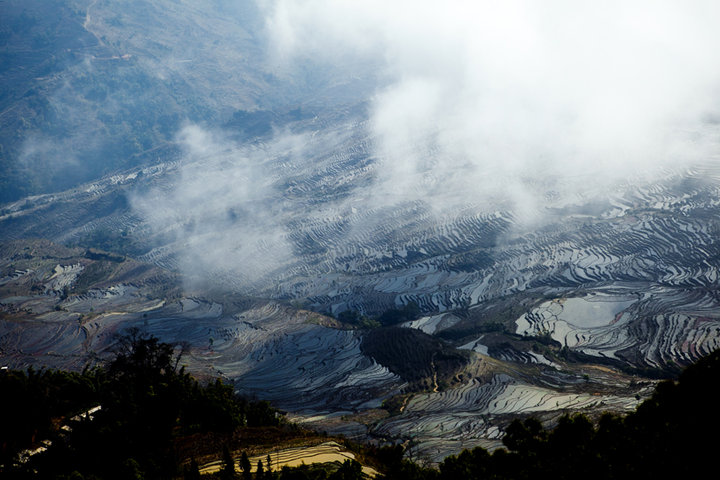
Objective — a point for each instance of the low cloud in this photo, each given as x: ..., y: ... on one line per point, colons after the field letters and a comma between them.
x: 475, y: 107
x: 500, y: 103
x: 221, y: 211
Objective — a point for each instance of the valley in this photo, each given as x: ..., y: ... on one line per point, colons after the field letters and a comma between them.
x: 395, y: 270
x: 562, y: 320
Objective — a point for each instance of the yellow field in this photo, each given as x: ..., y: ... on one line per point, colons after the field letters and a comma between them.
x: 293, y: 457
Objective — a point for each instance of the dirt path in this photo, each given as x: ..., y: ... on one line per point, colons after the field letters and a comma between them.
x: 87, y: 15
x: 86, y: 23
x: 434, y: 370
x: 404, y: 404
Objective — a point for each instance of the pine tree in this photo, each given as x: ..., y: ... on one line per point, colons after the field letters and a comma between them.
x: 227, y: 472
x: 246, y: 466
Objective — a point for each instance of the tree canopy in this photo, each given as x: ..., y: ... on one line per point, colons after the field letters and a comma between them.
x: 146, y: 403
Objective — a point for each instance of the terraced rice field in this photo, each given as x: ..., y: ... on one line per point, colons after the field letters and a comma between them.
x: 328, y: 452
x: 631, y: 286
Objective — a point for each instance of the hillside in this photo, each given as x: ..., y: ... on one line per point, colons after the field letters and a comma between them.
x: 410, y: 224
x: 63, y: 307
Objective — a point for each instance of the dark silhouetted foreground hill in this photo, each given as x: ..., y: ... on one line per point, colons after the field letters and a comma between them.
x: 147, y: 406
x: 153, y: 414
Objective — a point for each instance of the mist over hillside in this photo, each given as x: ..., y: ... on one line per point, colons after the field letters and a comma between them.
x: 536, y: 185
